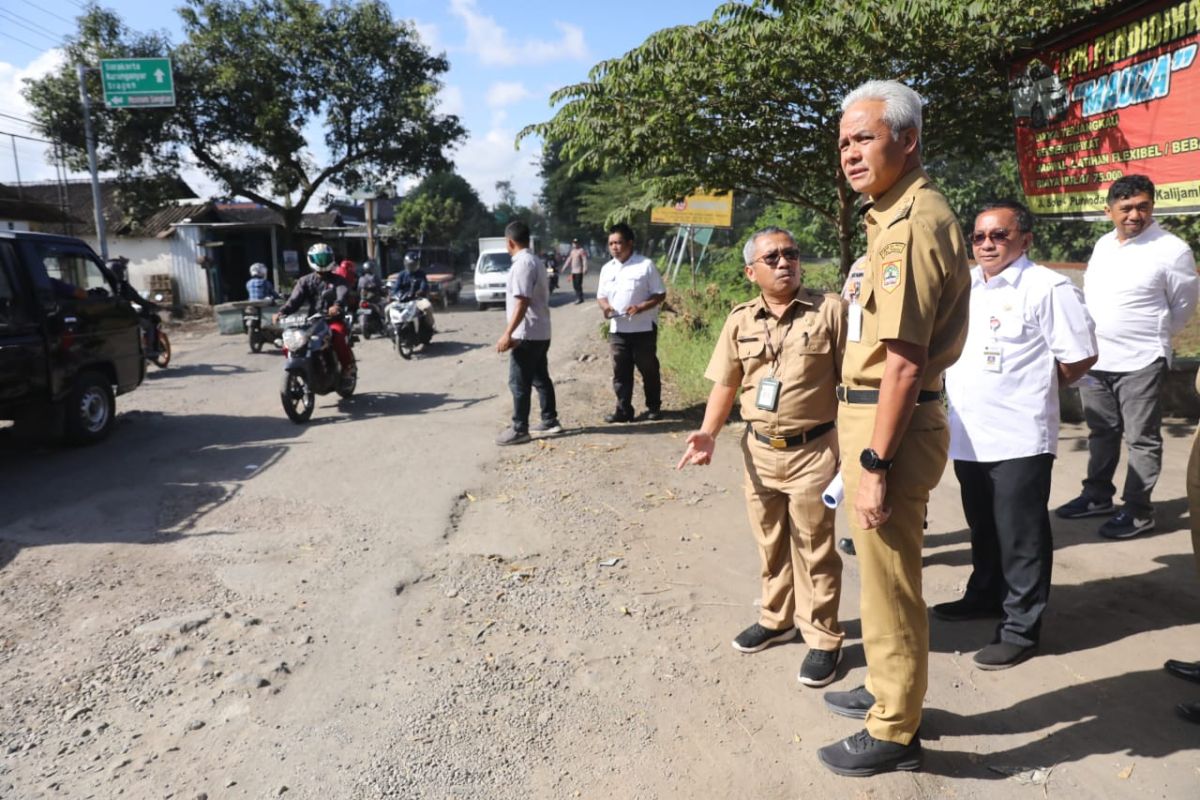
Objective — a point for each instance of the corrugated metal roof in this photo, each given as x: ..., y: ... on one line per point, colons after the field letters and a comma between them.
x: 159, y: 223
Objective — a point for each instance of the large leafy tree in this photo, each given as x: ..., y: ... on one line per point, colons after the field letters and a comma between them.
x: 748, y: 100
x: 254, y: 79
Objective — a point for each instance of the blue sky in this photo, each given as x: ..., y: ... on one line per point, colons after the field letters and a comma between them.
x: 505, y: 58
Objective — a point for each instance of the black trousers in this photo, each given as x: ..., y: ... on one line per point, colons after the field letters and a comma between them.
x: 577, y: 285
x: 640, y: 350
x: 528, y: 370
x: 1012, y: 547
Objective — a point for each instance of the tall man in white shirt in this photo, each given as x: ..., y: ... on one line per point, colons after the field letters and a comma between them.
x: 1028, y: 331
x: 629, y: 294
x: 1141, y: 289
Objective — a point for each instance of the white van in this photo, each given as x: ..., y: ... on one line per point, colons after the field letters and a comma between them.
x: 491, y: 270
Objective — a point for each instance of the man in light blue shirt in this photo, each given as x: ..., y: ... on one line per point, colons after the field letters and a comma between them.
x: 629, y: 294
x: 527, y: 338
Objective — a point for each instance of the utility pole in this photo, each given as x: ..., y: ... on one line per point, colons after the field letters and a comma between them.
x: 81, y: 71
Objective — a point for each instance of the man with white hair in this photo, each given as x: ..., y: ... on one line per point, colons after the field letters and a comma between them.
x: 906, y: 326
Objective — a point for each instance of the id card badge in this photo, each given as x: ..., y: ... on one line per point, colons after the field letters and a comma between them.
x: 991, y: 358
x: 854, y: 320
x: 768, y: 394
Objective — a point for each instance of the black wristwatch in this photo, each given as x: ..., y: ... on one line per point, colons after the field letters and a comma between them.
x: 869, y: 459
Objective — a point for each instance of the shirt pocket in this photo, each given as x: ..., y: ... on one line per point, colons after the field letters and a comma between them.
x: 812, y: 343
x: 1010, y: 327
x: 751, y: 352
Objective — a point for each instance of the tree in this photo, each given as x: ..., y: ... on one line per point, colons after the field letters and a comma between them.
x: 749, y: 99
x: 250, y: 78
x: 429, y: 219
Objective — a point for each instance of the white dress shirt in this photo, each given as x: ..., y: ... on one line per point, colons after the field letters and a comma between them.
x: 1140, y: 292
x: 1031, y: 317
x: 629, y: 283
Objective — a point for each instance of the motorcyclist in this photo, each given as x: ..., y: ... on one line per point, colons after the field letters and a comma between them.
x: 368, y: 284
x: 412, y: 284
x: 259, y: 287
x: 327, y: 292
x: 148, y: 317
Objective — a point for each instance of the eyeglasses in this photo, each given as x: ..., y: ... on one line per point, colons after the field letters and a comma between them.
x: 772, y: 258
x: 999, y: 236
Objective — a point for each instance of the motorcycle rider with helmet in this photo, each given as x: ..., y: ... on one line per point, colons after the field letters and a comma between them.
x: 326, y: 291
x: 148, y: 317
x: 368, y: 282
x: 413, y: 284
x: 259, y: 287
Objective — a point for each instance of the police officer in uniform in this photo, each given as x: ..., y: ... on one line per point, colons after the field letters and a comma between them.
x: 783, y: 350
x: 906, y: 326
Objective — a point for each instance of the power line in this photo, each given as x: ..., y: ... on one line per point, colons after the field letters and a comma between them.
x: 23, y: 136
x: 15, y: 16
x: 32, y: 4
x: 31, y: 30
x: 18, y: 119
x: 22, y: 41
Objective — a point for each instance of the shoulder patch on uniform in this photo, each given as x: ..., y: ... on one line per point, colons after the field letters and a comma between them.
x: 892, y: 247
x: 903, y: 211
x: 890, y: 276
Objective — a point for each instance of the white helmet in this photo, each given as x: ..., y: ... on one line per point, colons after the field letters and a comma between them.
x: 258, y: 270
x: 320, y: 257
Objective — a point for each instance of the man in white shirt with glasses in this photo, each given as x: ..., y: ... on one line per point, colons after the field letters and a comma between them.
x: 1141, y: 289
x: 1028, y: 332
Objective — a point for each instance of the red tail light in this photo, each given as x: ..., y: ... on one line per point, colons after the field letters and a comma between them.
x: 364, y: 304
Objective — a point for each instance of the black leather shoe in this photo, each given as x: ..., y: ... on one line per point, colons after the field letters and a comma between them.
x: 854, y: 703
x: 1189, y: 711
x: 654, y: 415
x: 1002, y: 655
x: 861, y: 755
x: 960, y: 610
x: 1188, y: 670
x: 846, y: 545
x: 615, y: 417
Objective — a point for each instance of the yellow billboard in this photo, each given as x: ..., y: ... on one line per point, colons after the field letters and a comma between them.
x: 715, y: 210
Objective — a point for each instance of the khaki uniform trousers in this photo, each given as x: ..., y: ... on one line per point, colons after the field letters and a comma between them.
x: 801, y: 569
x: 1193, y: 494
x: 895, y: 625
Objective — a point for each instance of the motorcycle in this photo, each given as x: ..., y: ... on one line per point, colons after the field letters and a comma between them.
x: 256, y: 332
x: 369, y: 318
x: 312, y: 366
x: 155, y: 345
x: 408, y: 326
x: 552, y: 275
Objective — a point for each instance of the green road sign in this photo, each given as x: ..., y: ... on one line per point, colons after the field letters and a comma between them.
x: 137, y: 82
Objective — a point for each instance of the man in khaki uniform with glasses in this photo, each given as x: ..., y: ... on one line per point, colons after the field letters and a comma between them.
x: 905, y: 327
x: 783, y: 351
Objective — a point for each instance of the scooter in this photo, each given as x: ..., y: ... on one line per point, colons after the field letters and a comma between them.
x: 408, y: 326
x: 155, y: 345
x: 369, y: 318
x: 312, y: 366
x: 256, y: 332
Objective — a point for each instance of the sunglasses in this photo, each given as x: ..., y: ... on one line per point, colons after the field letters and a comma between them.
x: 998, y: 236
x: 772, y: 258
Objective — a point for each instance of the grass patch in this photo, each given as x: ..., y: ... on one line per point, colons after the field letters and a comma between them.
x: 687, y: 335
x: 1187, y: 343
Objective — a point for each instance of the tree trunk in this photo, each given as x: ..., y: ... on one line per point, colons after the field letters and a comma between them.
x: 847, y: 218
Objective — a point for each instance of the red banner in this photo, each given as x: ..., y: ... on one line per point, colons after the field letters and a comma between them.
x: 1121, y: 98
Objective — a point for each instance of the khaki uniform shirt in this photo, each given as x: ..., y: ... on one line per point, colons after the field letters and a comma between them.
x: 916, y: 286
x: 809, y: 364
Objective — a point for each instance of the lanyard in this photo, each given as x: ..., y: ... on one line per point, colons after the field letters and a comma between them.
x: 776, y: 352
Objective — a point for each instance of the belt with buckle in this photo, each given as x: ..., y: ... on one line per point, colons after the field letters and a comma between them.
x: 871, y: 396
x: 784, y: 442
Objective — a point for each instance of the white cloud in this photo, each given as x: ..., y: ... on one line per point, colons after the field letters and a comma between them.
x: 491, y: 43
x: 506, y: 93
x: 483, y: 160
x: 450, y: 100
x: 430, y: 34
x: 34, y: 166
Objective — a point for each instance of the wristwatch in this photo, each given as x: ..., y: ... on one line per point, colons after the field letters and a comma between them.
x: 869, y: 459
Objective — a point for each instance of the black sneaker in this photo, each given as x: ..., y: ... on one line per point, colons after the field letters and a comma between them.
x: 854, y: 703
x: 960, y: 610
x: 1002, y: 655
x: 820, y: 667
x: 1083, y: 506
x: 616, y: 416
x: 1125, y: 525
x: 861, y: 755
x: 757, y: 638
x: 512, y: 436
x: 654, y: 415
